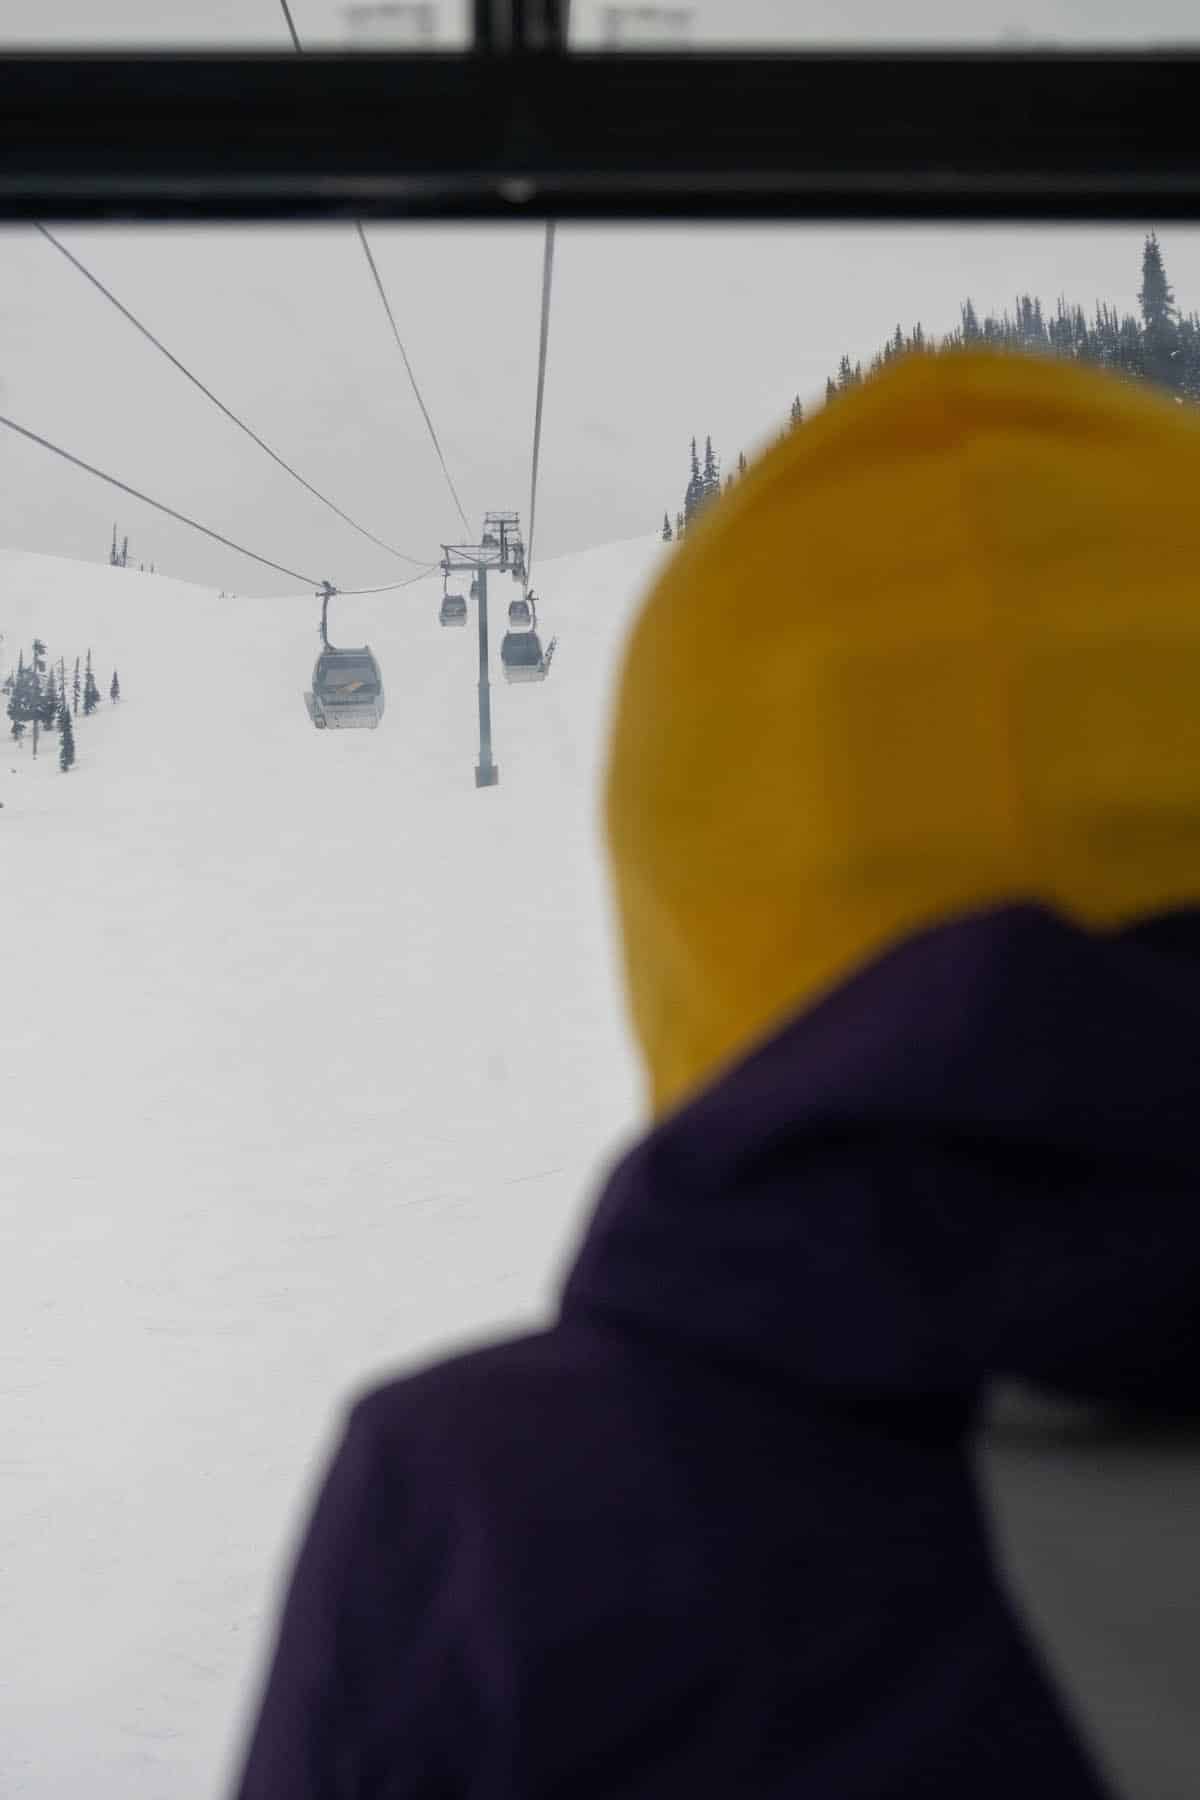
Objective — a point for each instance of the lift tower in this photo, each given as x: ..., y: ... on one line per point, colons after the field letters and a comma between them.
x: 500, y: 548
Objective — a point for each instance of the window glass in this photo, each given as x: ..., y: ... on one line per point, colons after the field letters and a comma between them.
x: 235, y: 24
x: 313, y: 1051
x: 595, y: 24
x: 709, y: 24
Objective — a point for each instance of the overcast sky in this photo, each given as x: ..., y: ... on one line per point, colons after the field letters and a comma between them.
x: 657, y: 333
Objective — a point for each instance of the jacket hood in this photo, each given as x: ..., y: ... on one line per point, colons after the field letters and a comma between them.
x: 977, y: 1160
x: 938, y: 652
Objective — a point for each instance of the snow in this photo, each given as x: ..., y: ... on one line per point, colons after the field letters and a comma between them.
x: 312, y: 1057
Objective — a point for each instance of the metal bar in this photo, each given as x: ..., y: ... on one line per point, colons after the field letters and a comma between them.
x: 487, y: 773
x: 492, y: 31
x: 862, y: 136
x: 518, y: 27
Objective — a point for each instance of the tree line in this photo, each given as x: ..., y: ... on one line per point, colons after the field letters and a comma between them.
x: 41, y: 697
x: 1158, y: 344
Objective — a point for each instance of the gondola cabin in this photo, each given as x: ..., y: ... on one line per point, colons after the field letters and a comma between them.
x: 347, y: 691
x: 453, y: 610
x: 522, y: 657
x: 519, y: 615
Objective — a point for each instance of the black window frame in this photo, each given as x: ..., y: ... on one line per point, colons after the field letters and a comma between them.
x: 542, y: 133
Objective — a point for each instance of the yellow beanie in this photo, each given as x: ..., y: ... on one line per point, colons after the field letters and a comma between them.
x: 939, y: 649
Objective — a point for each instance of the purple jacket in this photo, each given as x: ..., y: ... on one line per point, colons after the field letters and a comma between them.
x: 723, y: 1529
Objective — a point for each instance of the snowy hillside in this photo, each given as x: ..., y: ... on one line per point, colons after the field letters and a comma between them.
x: 312, y: 1055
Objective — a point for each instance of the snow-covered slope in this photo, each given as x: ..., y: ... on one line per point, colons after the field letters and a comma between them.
x: 311, y: 1057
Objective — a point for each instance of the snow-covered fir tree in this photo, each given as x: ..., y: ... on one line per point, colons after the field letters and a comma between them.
x: 91, y: 693
x: 114, y: 688
x: 49, y: 705
x: 76, y: 689
x: 16, y: 708
x: 66, y: 738
x: 1160, y: 328
x: 667, y: 533
x: 693, y: 498
x: 24, y: 704
x: 711, y: 476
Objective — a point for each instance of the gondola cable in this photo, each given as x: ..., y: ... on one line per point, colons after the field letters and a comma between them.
x: 159, y: 505
x: 521, y: 652
x: 387, y: 307
x: 393, y: 586
x: 220, y: 404
x: 543, y: 346
x: 291, y: 24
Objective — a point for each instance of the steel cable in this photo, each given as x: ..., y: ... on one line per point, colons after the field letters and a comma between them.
x: 543, y: 344
x: 362, y: 238
x: 220, y: 404
x: 159, y: 505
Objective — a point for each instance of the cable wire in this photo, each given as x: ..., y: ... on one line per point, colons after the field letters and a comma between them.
x: 220, y: 404
x: 291, y: 24
x: 393, y: 585
x: 362, y: 238
x: 543, y: 343
x: 159, y: 506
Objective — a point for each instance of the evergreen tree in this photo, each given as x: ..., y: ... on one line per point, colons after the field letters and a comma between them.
x: 667, y: 535
x: 91, y: 693
x: 693, y: 498
x: 48, y: 710
x: 23, y: 701
x: 712, y: 471
x: 33, y: 706
x: 15, y: 708
x: 66, y: 738
x: 797, y: 413
x: 830, y: 389
x: 114, y: 691
x: 679, y: 523
x: 741, y: 462
x: 1161, y: 360
x: 76, y: 689
x: 972, y: 332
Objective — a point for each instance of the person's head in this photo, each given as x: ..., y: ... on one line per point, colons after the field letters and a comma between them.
x: 939, y: 650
